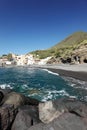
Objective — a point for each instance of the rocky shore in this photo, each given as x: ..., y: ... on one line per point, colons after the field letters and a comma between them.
x: 18, y: 112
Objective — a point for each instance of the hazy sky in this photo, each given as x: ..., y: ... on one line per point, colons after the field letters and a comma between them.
x: 27, y: 25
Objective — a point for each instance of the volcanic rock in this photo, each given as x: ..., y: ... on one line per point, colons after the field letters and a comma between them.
x: 7, y: 116
x: 66, y: 121
x: 48, y: 112
x: 18, y: 99
x: 26, y: 117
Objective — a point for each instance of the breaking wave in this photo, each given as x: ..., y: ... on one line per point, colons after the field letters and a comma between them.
x: 5, y: 86
x: 51, y: 72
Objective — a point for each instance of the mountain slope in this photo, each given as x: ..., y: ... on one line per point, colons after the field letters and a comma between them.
x: 73, y: 39
x: 66, y: 48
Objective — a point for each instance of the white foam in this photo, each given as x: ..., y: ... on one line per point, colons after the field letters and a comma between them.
x: 73, y: 97
x: 75, y: 83
x: 51, y: 72
x: 63, y: 93
x: 4, y: 86
x: 25, y: 86
x: 72, y: 84
x: 53, y: 94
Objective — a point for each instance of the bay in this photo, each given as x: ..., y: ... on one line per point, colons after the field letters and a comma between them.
x: 41, y: 83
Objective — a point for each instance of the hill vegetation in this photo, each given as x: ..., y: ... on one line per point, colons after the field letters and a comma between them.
x: 65, y: 48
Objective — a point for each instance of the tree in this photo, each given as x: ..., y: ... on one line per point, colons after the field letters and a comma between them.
x: 9, y: 57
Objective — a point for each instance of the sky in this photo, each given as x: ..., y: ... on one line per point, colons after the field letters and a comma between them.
x: 28, y: 25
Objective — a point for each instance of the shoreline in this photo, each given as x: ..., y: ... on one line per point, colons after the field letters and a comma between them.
x: 79, y: 75
x: 78, y: 72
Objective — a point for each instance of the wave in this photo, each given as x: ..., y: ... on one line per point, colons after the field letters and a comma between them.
x: 75, y: 83
x: 50, y: 94
x: 4, y: 86
x: 50, y: 72
x: 54, y: 94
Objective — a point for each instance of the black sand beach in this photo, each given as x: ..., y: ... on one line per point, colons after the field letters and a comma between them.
x: 74, y: 74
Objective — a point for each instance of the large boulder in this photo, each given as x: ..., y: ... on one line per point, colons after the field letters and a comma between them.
x: 3, y: 92
x: 31, y: 101
x: 48, y: 111
x: 32, y: 112
x: 66, y: 121
x: 71, y: 105
x: 26, y: 117
x: 7, y: 116
x: 18, y: 99
x: 22, y: 121
x: 14, y: 98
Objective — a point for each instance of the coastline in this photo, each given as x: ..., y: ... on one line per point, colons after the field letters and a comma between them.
x: 78, y: 71
x: 75, y: 71
x: 32, y: 114
x: 74, y: 74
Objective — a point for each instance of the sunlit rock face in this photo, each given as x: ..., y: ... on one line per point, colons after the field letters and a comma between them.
x: 48, y: 112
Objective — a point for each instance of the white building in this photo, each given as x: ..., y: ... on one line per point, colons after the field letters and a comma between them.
x: 44, y: 61
x: 8, y: 62
x: 20, y: 60
x: 30, y: 60
x: 24, y: 60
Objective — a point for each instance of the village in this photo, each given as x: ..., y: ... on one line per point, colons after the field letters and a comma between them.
x: 21, y: 60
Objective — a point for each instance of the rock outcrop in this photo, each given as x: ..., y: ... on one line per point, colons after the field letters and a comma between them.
x: 26, y: 117
x: 67, y: 121
x: 18, y: 99
x: 48, y: 112
x: 7, y: 116
x: 18, y: 112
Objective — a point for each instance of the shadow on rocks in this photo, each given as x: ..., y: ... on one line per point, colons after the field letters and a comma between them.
x: 26, y: 117
x: 18, y: 100
x: 7, y: 116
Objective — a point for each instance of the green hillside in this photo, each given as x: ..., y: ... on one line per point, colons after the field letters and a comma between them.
x: 73, y: 39
x: 65, y: 47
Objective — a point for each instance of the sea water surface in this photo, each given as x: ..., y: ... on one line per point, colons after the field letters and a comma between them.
x: 41, y: 83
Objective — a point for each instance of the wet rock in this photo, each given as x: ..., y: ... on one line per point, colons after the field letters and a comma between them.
x: 26, y: 117
x: 31, y: 101
x: 5, y: 91
x: 1, y: 96
x: 7, y: 116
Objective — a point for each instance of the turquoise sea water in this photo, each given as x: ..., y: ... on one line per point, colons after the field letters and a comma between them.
x: 41, y: 84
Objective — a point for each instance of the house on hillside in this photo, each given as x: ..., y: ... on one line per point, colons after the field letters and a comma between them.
x: 30, y: 59
x: 24, y: 60
x: 20, y: 60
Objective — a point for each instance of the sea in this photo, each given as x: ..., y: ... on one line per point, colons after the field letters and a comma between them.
x: 41, y: 84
